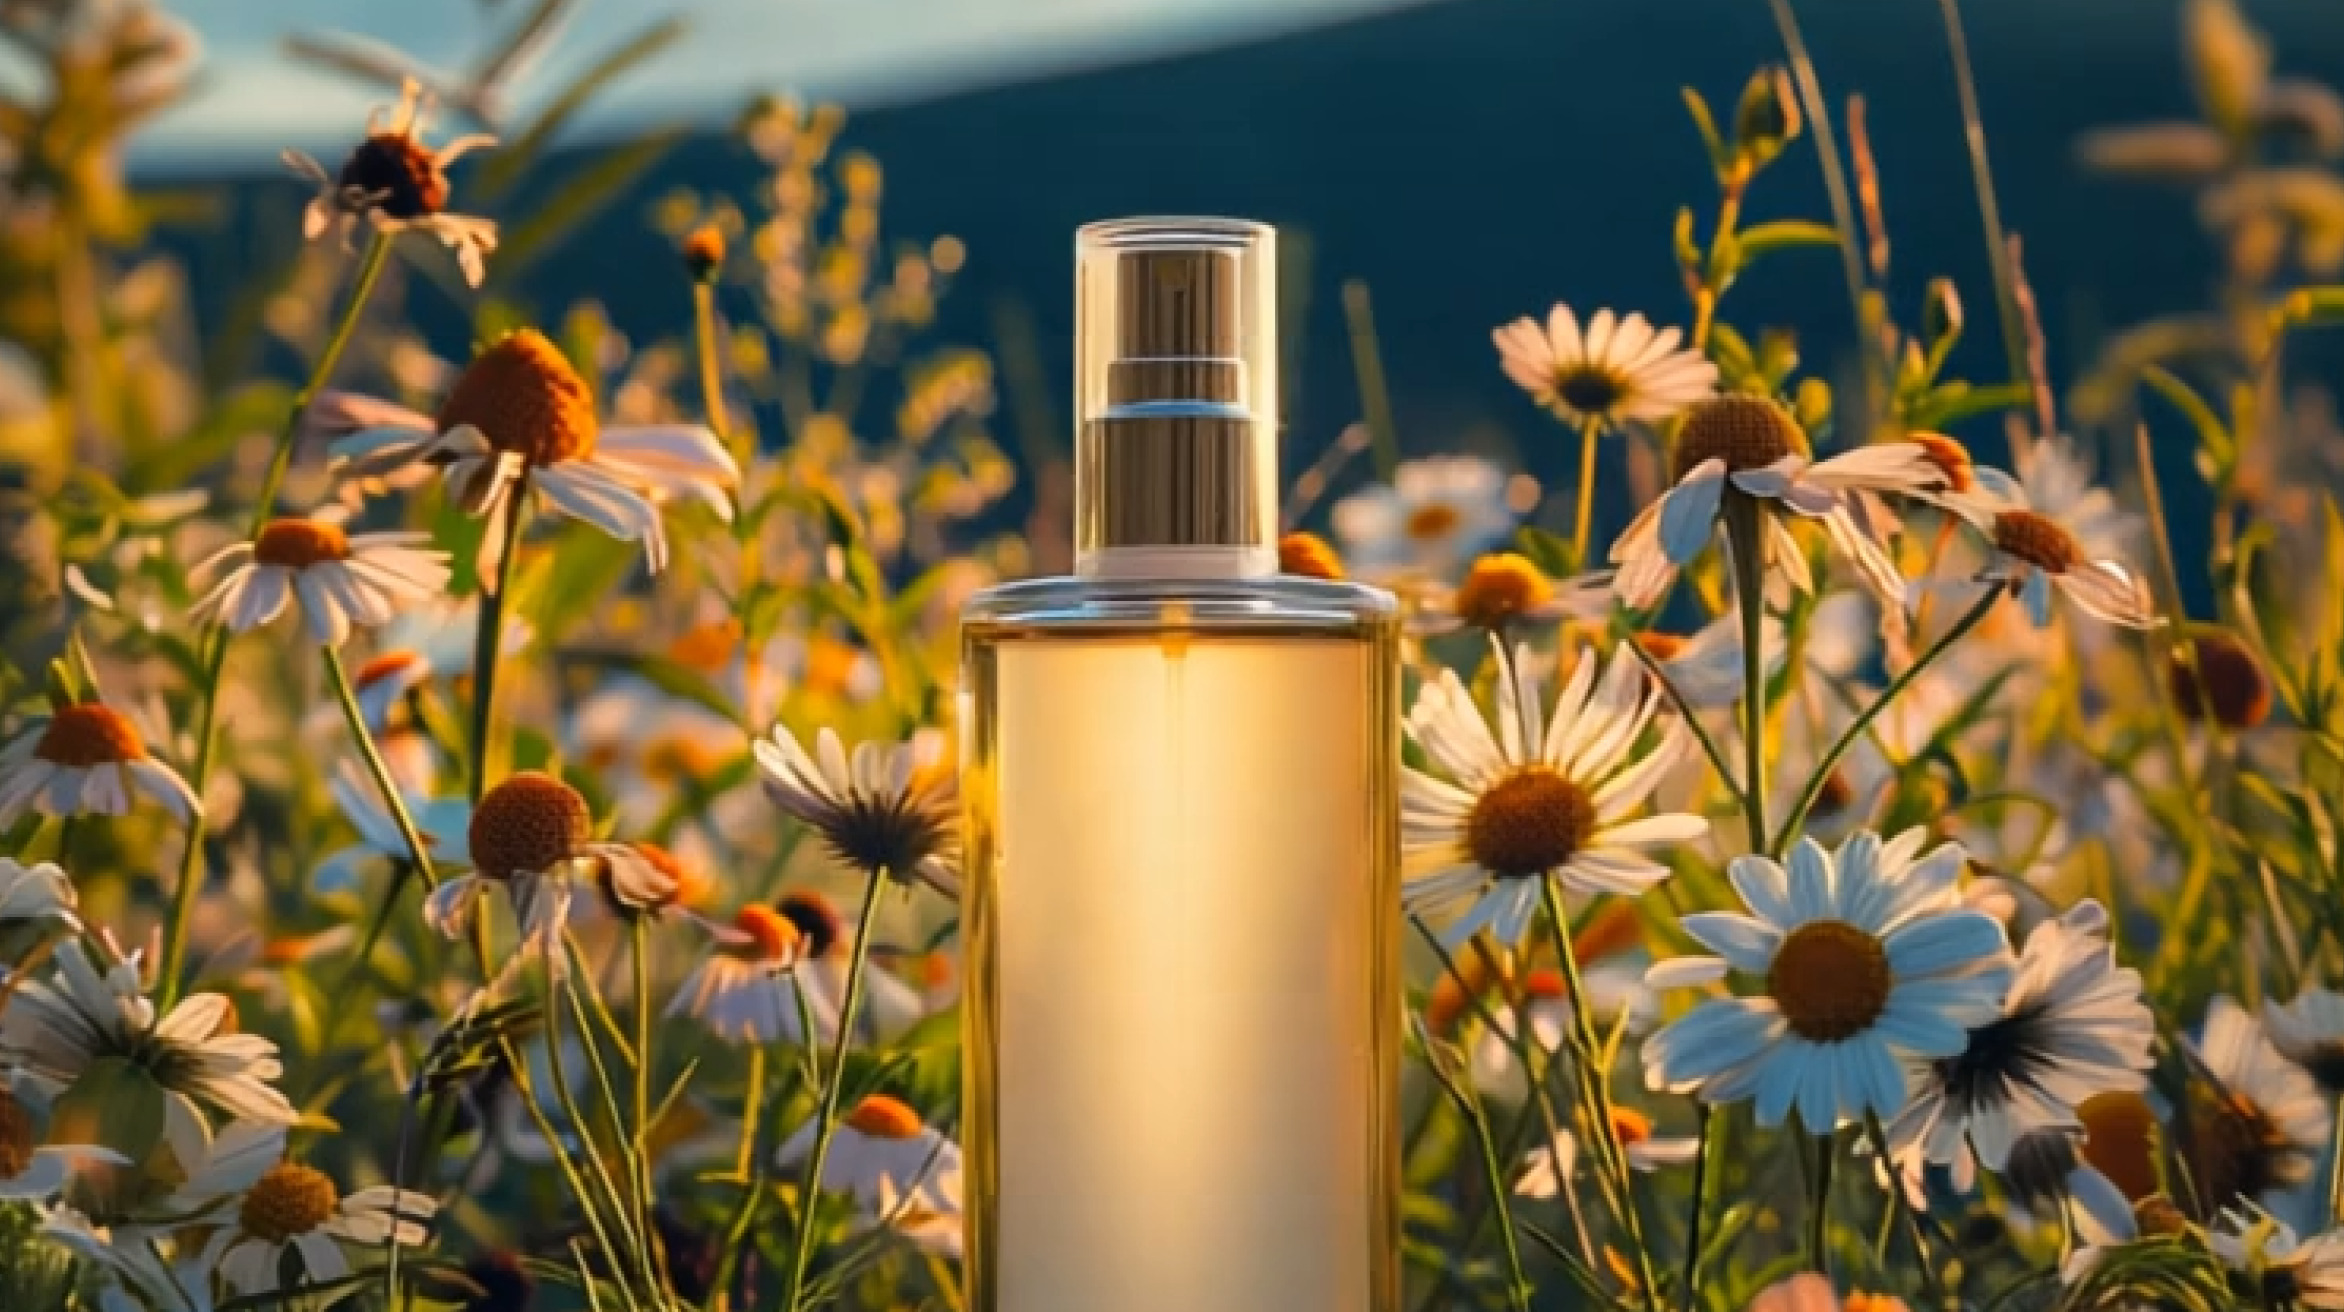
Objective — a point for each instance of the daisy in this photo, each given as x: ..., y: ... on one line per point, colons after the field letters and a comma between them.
x: 40, y: 892
x: 31, y: 1171
x: 297, y: 1207
x: 521, y: 418
x: 742, y: 991
x: 2287, y: 1271
x: 2073, y: 1025
x: 1532, y: 803
x: 1867, y: 959
x: 1435, y: 515
x: 1619, y: 369
x: 55, y: 1029
x: 1545, y: 1170
x: 882, y: 1144
x: 397, y: 184
x: 1705, y: 666
x: 890, y: 808
x: 533, y: 834
x: 340, y: 580
x: 1615, y: 996
x: 825, y: 952
x: 2263, y: 1124
x: 85, y: 759
x: 2309, y: 1031
x: 443, y: 824
x: 432, y: 639
x: 1750, y: 446
x: 1504, y: 589
x: 2049, y: 528
x: 135, y: 1272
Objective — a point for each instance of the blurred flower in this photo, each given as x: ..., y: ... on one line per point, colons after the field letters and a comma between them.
x: 296, y: 1207
x: 2221, y: 681
x: 135, y: 1273
x: 2169, y: 152
x: 1546, y: 1171
x: 2050, y: 528
x: 1809, y: 1292
x: 702, y: 250
x: 881, y: 1143
x: 1503, y: 589
x: 432, y: 639
x: 341, y: 580
x: 891, y: 809
x: 2310, y: 1032
x: 37, y: 892
x: 397, y: 184
x: 1867, y: 958
x: 84, y: 759
x: 742, y: 992
x: 31, y: 1171
x: 521, y: 417
x: 2286, y: 1271
x: 1615, y: 996
x: 441, y: 823
x: 1618, y: 370
x: 890, y: 1005
x: 1536, y: 801
x: 1307, y: 555
x: 1706, y: 667
x: 2262, y: 1126
x: 1436, y: 515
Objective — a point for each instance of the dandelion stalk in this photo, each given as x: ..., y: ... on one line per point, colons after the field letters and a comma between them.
x: 168, y: 985
x: 1590, y: 429
x: 826, y: 1120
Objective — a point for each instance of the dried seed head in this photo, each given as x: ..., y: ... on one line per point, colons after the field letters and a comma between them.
x: 1745, y: 432
x: 404, y: 179
x: 2221, y: 680
x: 526, y: 825
x: 524, y: 397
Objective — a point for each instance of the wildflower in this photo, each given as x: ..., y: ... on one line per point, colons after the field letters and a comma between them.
x: 2263, y: 1125
x: 1503, y: 589
x: 892, y: 808
x: 2287, y: 1271
x: 1434, y: 516
x: 31, y: 1171
x: 136, y: 1273
x: 340, y: 580
x: 520, y: 417
x: 2049, y: 528
x: 1307, y: 555
x: 1546, y: 1171
x: 2074, y: 1024
x: 882, y: 1143
x: 1534, y: 802
x: 397, y: 184
x: 442, y: 824
x: 702, y: 250
x: 2221, y: 680
x: 1705, y: 667
x: 532, y: 834
x: 1809, y: 1292
x: 37, y: 892
x: 2310, y: 1032
x: 1866, y: 956
x: 1619, y: 369
x: 937, y: 1229
x: 85, y: 759
x: 742, y: 990
x: 1615, y: 996
x: 890, y: 1005
x: 432, y: 639
x: 296, y: 1207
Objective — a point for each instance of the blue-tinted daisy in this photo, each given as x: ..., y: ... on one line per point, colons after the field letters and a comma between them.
x: 1435, y: 515
x: 2051, y: 529
x: 2310, y: 1032
x: 1866, y: 960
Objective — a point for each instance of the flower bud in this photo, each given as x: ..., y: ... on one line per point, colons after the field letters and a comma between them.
x: 1768, y: 117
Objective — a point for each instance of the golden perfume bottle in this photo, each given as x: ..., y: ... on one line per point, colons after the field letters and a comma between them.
x: 1180, y: 769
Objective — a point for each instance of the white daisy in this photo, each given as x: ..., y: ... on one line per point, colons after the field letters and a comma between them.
x: 2050, y: 528
x: 85, y: 759
x: 1619, y: 369
x: 891, y: 1004
x: 890, y: 807
x: 397, y: 184
x: 2287, y: 1271
x: 1705, y: 667
x: 2073, y: 1025
x: 521, y: 417
x: 138, y: 1277
x: 1435, y: 515
x: 37, y: 892
x: 340, y: 580
x: 744, y: 990
x: 1545, y: 1172
x: 1501, y: 590
x: 883, y: 1144
x: 443, y: 824
x: 57, y: 1028
x: 2310, y: 1032
x: 2262, y: 1126
x: 1616, y: 995
x: 1867, y: 959
x: 430, y: 640
x: 1537, y: 800
x: 297, y: 1207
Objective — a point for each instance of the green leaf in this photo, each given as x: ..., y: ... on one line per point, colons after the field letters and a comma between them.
x: 1706, y: 123
x: 580, y: 199
x: 116, y: 1102
x: 1953, y: 402
x: 1551, y: 552
x: 1688, y: 250
x: 509, y: 164
x: 2214, y: 437
x: 1782, y: 235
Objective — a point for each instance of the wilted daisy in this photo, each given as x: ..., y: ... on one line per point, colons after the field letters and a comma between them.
x: 85, y: 759
x: 297, y: 1207
x: 1435, y: 515
x: 742, y: 991
x: 2050, y: 528
x: 2310, y: 1032
x: 1537, y: 800
x: 881, y: 1144
x: 339, y: 579
x: 2073, y: 1025
x: 1546, y: 1172
x: 37, y: 892
x: 521, y: 417
x: 1504, y: 589
x: 397, y: 184
x: 1867, y: 960
x: 56, y: 1028
x: 890, y: 807
x: 2286, y: 1271
x: 2262, y: 1126
x: 1618, y: 369
x: 533, y: 834
x: 31, y: 1171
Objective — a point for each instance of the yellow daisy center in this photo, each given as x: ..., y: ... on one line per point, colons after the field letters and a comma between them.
x: 882, y: 1117
x: 1431, y: 523
x: 1951, y: 458
x: 1746, y: 432
x: 2223, y: 680
x: 16, y: 1137
x: 300, y: 543
x: 1309, y: 556
x: 1590, y: 388
x: 526, y: 825
x: 1528, y: 823
x: 2037, y: 541
x: 524, y: 397
x: 79, y: 737
x: 288, y: 1201
x: 1500, y: 588
x: 394, y: 168
x: 2122, y: 1141
x: 1830, y: 979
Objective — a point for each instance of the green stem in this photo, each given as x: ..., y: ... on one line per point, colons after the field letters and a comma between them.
x: 1375, y: 399
x: 1692, y: 721
x: 621, y: 1214
x: 826, y: 1119
x: 1745, y: 529
x: 752, y: 1173
x: 1989, y: 209
x: 1856, y: 728
x: 587, y: 1203
x: 640, y: 930
x: 1835, y: 178
x: 489, y: 631
x: 1494, y: 1179
x: 2336, y: 1171
x: 1819, y: 1207
x: 1590, y: 429
x: 370, y: 268
x: 1709, y: 1140
x: 418, y: 851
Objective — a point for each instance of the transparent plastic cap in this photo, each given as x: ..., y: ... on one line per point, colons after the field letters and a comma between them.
x: 1176, y: 394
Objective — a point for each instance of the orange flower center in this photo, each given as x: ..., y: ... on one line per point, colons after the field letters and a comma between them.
x: 2037, y: 541
x: 300, y: 543
x: 2223, y: 681
x: 16, y: 1137
x: 404, y: 179
x: 691, y: 883
x: 389, y: 664
x: 79, y: 737
x: 1630, y: 1126
x: 2121, y: 1141
x: 882, y: 1117
x: 1746, y: 432
x: 1662, y: 646
x: 1830, y: 979
x: 1528, y: 823
x: 703, y: 251
x: 707, y: 647
x: 1433, y: 522
x: 1309, y: 556
x: 526, y: 825
x: 524, y: 397
x: 1501, y: 588
x: 1951, y: 458
x: 288, y: 1201
x: 771, y: 935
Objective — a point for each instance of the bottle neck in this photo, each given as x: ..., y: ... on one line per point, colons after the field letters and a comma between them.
x: 1180, y: 490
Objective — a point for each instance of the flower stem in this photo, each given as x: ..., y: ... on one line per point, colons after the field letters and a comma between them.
x: 751, y: 1167
x: 418, y: 851
x: 489, y: 631
x: 1745, y: 529
x: 1710, y: 1141
x: 2336, y: 1171
x: 1590, y: 429
x: 826, y: 1120
x: 1518, y: 1285
x: 1819, y: 1207
x: 183, y: 897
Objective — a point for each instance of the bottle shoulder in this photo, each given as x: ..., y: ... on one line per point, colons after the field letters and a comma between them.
x: 1277, y: 601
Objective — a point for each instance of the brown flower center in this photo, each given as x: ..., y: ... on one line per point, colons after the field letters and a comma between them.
x: 882, y: 1117
x: 1590, y: 390
x: 2222, y: 680
x: 1528, y: 823
x: 2236, y: 1150
x: 771, y: 935
x: 1838, y: 793
x: 524, y: 397
x: 1430, y: 523
x: 1309, y: 556
x: 2122, y: 1141
x: 526, y: 825
x: 404, y: 178
x: 1501, y: 588
x: 2037, y: 541
x: 2157, y: 1215
x: 1746, y: 432
x: 288, y: 1201
x: 1830, y: 979
x: 300, y: 543
x: 79, y: 737
x: 16, y: 1137
x: 817, y: 921
x: 1951, y: 458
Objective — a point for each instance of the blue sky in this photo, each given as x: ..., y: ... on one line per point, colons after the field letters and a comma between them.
x: 252, y: 99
